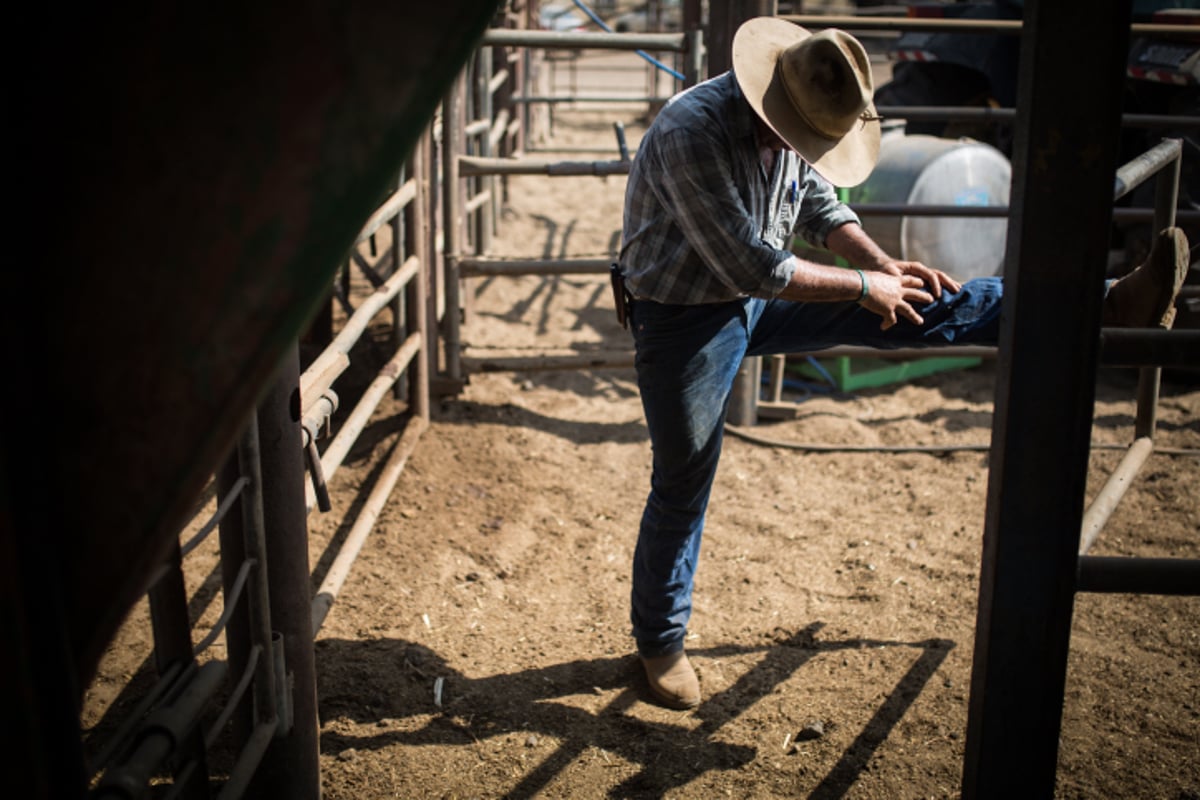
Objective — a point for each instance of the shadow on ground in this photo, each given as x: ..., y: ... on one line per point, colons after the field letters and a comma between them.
x: 371, y: 681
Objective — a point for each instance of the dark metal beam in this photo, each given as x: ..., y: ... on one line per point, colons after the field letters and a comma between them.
x: 1112, y: 574
x: 1064, y: 162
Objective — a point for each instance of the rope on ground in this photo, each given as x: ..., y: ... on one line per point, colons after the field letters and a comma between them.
x: 743, y: 433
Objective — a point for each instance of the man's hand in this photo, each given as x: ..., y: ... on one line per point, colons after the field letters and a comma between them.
x: 903, y: 284
x: 893, y: 296
x: 935, y: 279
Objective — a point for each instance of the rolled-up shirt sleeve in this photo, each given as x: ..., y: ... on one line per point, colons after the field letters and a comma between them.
x: 820, y: 209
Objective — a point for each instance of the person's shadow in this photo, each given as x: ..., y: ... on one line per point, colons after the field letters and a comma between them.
x: 398, y: 678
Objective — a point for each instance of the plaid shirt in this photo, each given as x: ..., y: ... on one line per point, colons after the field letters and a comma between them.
x: 704, y: 223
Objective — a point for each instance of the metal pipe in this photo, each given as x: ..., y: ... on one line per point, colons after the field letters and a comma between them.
x: 291, y: 765
x: 471, y: 166
x: 478, y: 127
x: 999, y: 115
x: 235, y: 697
x: 596, y: 360
x: 332, y: 459
x: 317, y: 415
x: 999, y: 26
x: 365, y: 521
x: 172, y: 632
x: 161, y: 734
x: 418, y: 292
x: 231, y: 600
x: 1141, y: 168
x: 614, y: 98
x: 1106, y: 502
x: 218, y: 515
x: 452, y: 225
x: 498, y: 80
x: 283, y: 698
x: 499, y: 129
x: 390, y: 208
x: 491, y: 265
x: 325, y: 369
x: 561, y: 40
x: 119, y: 739
x: 477, y: 202
x: 258, y: 599
x: 1163, y: 576
x: 1140, y: 347
x: 247, y: 763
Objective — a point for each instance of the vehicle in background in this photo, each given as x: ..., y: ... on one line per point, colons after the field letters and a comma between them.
x: 979, y: 69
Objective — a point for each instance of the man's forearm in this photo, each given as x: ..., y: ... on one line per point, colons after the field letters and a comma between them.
x: 852, y: 243
x: 820, y: 283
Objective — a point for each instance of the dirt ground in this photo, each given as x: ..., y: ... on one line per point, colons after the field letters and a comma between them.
x: 480, y: 647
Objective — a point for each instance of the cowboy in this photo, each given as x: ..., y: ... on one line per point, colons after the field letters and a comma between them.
x: 727, y: 173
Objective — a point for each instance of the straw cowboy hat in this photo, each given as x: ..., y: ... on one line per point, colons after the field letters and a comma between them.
x: 814, y: 90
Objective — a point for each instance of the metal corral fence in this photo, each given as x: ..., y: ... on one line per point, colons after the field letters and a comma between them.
x: 259, y: 702
x: 189, y: 719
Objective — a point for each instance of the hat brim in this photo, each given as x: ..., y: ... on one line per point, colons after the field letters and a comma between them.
x: 756, y: 47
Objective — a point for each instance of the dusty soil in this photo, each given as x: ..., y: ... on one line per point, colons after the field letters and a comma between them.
x: 480, y: 648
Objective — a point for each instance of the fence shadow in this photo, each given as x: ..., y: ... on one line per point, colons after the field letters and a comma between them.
x: 374, y: 681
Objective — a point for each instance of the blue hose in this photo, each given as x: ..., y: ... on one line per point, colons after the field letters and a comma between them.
x: 592, y: 14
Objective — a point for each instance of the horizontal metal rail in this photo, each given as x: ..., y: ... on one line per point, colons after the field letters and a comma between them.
x: 598, y: 359
x: 998, y: 115
x: 1143, y: 347
x: 489, y: 265
x: 1140, y: 169
x: 1127, y: 575
x: 365, y: 521
x: 354, y: 424
x: 472, y: 166
x: 326, y: 368
x: 390, y: 208
x: 612, y: 98
x: 1008, y: 27
x: 510, y: 37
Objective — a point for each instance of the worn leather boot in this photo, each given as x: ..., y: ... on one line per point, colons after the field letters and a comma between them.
x: 1145, y: 298
x: 672, y: 680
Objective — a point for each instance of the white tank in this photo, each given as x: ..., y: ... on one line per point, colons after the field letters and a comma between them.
x: 927, y: 170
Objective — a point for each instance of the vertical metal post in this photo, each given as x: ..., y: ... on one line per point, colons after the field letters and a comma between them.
x: 399, y: 247
x: 724, y: 18
x: 417, y: 293
x: 290, y: 766
x: 1064, y: 162
x: 484, y: 110
x: 452, y: 135
x: 232, y: 533
x: 257, y: 594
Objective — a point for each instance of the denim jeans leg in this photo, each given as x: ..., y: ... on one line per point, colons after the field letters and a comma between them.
x: 686, y: 361
x: 969, y: 316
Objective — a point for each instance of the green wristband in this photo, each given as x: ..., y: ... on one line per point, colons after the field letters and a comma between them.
x: 866, y: 287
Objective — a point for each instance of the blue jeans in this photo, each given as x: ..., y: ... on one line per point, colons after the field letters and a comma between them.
x: 687, y: 357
